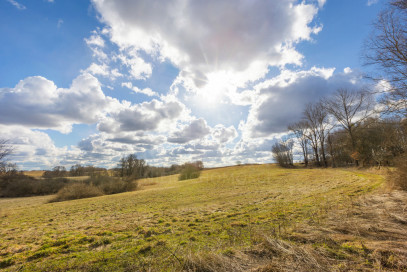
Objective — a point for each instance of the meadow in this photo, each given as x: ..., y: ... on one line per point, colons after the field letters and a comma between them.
x: 241, y: 218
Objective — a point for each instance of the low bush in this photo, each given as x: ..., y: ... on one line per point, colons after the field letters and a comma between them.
x: 189, y: 171
x: 77, y: 191
x: 112, y: 185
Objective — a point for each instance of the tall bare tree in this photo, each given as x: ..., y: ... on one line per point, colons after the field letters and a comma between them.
x: 300, y: 131
x: 387, y: 49
x: 316, y: 117
x: 349, y: 108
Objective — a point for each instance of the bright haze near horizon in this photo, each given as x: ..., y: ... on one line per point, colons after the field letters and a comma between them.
x: 171, y: 81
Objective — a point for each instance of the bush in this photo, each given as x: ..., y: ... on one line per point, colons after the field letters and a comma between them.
x: 189, y: 171
x: 283, y: 153
x: 111, y: 185
x: 77, y: 191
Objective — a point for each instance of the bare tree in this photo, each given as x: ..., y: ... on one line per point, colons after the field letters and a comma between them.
x: 300, y: 131
x: 387, y: 49
x: 283, y: 153
x: 5, y: 151
x: 130, y: 166
x: 349, y: 108
x: 316, y: 117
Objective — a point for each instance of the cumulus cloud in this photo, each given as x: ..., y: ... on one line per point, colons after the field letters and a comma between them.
x: 202, y: 37
x: 32, y: 149
x: 197, y: 129
x: 281, y: 100
x: 37, y: 102
x: 224, y: 134
x: 146, y: 116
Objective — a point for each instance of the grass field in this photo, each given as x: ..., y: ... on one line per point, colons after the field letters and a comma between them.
x: 171, y: 225
x: 34, y: 173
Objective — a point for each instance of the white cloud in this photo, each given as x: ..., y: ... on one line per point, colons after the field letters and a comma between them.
x: 16, y: 4
x: 95, y: 40
x: 224, y: 134
x: 32, y: 149
x: 103, y: 70
x: 36, y: 102
x: 147, y: 116
x: 98, y: 69
x: 203, y: 37
x: 146, y: 91
x: 197, y: 129
x: 138, y: 68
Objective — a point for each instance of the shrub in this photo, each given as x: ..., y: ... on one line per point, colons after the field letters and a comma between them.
x: 189, y: 171
x: 77, y: 191
x: 283, y: 153
x: 111, y: 185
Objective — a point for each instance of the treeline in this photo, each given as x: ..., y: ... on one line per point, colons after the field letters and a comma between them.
x: 344, y: 130
x: 76, y: 170
x: 128, y: 166
x: 96, y: 181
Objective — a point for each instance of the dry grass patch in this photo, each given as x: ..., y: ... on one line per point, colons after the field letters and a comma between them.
x: 34, y: 174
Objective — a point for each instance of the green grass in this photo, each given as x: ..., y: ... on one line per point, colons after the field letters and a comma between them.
x: 157, y: 226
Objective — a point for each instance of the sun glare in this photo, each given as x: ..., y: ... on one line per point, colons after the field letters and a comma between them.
x: 215, y: 90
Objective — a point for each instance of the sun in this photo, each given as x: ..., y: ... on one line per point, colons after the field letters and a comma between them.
x: 215, y: 91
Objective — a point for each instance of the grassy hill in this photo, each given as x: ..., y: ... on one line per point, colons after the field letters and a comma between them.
x: 229, y: 218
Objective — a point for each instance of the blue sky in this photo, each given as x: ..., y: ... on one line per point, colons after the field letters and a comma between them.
x: 171, y: 81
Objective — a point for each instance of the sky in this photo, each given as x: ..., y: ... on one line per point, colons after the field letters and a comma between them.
x: 171, y: 81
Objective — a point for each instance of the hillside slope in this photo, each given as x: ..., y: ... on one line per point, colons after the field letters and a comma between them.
x: 224, y: 218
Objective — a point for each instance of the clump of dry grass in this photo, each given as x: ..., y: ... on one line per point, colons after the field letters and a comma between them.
x: 77, y: 191
x: 271, y: 254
